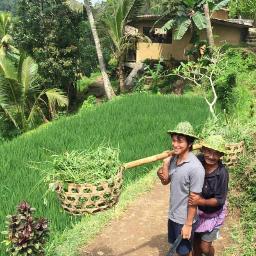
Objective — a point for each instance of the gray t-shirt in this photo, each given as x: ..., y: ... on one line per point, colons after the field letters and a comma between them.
x: 185, y: 178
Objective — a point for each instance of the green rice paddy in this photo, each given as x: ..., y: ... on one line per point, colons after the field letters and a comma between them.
x: 137, y: 124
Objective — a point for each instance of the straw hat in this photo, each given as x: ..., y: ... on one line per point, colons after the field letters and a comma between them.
x: 215, y: 142
x: 184, y: 128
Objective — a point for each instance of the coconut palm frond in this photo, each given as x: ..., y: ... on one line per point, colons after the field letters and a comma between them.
x: 7, y: 114
x: 6, y: 39
x: 5, y: 23
x: 28, y: 73
x: 3, y: 98
x: 115, y: 23
x: 10, y: 91
x: 134, y: 8
x: 56, y: 96
x: 7, y: 68
x: 34, y: 113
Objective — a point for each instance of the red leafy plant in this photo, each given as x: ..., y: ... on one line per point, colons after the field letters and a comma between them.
x: 25, y: 234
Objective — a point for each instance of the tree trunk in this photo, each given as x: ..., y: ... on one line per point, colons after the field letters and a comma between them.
x: 130, y: 79
x: 121, y: 77
x: 107, y: 85
x: 208, y: 25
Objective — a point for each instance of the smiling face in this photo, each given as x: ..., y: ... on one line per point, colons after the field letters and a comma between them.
x: 211, y: 156
x: 180, y: 144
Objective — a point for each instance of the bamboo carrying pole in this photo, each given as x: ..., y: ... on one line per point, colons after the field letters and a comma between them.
x: 154, y: 158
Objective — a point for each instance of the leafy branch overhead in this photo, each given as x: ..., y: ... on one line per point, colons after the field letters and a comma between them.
x: 204, y: 74
x: 190, y: 14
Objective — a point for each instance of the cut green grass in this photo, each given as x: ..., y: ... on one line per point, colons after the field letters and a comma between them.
x: 136, y: 124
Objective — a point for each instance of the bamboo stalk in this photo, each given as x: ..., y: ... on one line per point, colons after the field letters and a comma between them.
x: 154, y: 158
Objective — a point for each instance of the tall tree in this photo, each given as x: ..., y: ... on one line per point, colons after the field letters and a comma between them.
x: 78, y: 7
x: 107, y: 85
x: 50, y: 32
x: 208, y: 25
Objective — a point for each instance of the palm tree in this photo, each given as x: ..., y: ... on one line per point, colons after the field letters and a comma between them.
x: 115, y: 19
x: 208, y: 24
x: 74, y: 5
x: 22, y: 102
x: 107, y: 85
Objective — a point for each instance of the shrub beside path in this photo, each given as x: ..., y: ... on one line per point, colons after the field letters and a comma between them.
x: 142, y: 230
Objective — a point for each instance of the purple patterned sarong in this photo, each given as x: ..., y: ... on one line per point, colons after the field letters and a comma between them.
x: 209, y: 221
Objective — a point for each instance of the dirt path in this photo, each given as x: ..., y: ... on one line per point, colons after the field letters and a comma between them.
x: 142, y: 230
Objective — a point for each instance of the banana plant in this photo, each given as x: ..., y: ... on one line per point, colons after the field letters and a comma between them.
x: 190, y: 13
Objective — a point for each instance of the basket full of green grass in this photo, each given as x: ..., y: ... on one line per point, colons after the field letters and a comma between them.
x: 87, y: 181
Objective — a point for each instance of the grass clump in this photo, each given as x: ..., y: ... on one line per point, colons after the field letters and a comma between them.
x: 90, y: 166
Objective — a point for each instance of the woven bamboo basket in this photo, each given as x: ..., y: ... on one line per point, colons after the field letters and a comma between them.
x: 234, y: 151
x: 78, y: 199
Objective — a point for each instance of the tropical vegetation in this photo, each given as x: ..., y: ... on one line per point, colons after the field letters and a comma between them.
x: 54, y: 55
x: 144, y: 136
x: 192, y: 14
x: 23, y: 102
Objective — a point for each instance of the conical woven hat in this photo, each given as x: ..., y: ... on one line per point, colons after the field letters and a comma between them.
x: 184, y: 128
x: 215, y: 142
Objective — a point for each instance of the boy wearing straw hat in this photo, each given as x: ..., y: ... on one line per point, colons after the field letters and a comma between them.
x: 185, y: 174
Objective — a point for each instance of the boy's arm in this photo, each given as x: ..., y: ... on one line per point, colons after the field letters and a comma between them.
x: 220, y: 194
x: 163, y: 172
x: 187, y: 227
x: 196, y: 184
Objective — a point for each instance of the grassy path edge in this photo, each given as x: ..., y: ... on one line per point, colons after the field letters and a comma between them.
x: 83, y: 232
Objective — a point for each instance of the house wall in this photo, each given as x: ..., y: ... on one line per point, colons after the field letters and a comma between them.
x: 225, y: 34
x: 220, y: 14
x: 177, y: 48
x: 155, y: 51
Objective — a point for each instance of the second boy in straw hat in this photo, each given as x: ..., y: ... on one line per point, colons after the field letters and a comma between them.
x: 186, y: 174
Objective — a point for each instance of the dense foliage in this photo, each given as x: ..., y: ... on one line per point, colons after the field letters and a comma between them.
x: 58, y: 39
x: 242, y: 194
x: 24, y: 104
x: 236, y: 82
x: 244, y: 8
x: 7, y: 5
